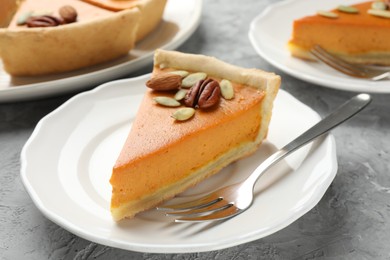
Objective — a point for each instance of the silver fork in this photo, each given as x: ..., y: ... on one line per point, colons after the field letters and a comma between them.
x: 232, y: 200
x: 355, y: 70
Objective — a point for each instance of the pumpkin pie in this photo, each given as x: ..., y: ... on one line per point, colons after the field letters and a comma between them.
x: 163, y: 156
x: 359, y: 37
x: 97, y: 35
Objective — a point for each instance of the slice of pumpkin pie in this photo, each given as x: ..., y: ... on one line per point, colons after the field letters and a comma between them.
x: 198, y: 115
x: 358, y: 33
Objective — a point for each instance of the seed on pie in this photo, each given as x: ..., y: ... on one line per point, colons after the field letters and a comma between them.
x: 327, y: 14
x: 23, y: 18
x: 180, y: 94
x: 68, y: 13
x: 379, y: 13
x: 348, y: 9
x: 181, y: 73
x: 164, y: 82
x: 166, y: 101
x: 184, y: 113
x: 162, y: 66
x: 227, y: 90
x: 378, y: 5
x: 192, y: 79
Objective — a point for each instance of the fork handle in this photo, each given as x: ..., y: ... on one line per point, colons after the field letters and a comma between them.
x: 344, y: 112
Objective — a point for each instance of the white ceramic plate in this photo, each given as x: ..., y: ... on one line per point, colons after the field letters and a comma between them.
x: 270, y: 31
x: 180, y: 20
x: 67, y: 162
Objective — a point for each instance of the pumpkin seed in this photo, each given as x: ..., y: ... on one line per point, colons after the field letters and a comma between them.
x: 227, y: 90
x: 191, y: 79
x: 380, y: 13
x: 180, y: 94
x: 348, y: 9
x: 166, y: 101
x: 184, y: 113
x: 181, y: 73
x: 378, y: 5
x: 328, y: 14
x: 23, y: 18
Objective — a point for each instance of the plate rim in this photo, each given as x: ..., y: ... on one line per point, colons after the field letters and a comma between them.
x: 331, y: 81
x: 161, y: 248
x: 70, y: 84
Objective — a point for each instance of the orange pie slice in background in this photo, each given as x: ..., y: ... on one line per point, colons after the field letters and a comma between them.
x: 357, y: 37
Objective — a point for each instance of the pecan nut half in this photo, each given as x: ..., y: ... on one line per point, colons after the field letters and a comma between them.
x: 204, y: 94
x: 43, y: 21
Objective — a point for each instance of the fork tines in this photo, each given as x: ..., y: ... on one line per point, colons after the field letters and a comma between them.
x: 354, y: 70
x: 206, y: 209
x: 337, y: 63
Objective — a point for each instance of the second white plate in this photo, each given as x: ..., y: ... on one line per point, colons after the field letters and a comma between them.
x: 67, y: 163
x: 270, y: 31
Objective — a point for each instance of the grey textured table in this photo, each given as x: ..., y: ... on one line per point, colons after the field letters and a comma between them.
x: 352, y: 221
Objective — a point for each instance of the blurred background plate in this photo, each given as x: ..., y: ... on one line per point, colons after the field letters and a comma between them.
x: 180, y: 20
